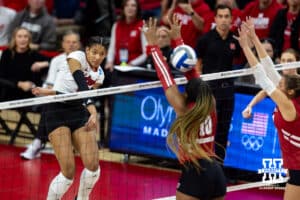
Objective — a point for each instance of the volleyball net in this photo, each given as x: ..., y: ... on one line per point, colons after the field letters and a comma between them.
x: 139, y: 118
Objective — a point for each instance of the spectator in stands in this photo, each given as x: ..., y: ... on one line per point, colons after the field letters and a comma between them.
x: 150, y: 8
x: 41, y: 25
x: 164, y: 43
x: 19, y: 67
x: 286, y: 26
x: 68, y: 16
x: 236, y: 13
x: 216, y: 51
x: 127, y: 44
x: 263, y: 12
x: 99, y: 17
x: 70, y: 43
x: 196, y: 18
x: 16, y: 5
x: 7, y: 15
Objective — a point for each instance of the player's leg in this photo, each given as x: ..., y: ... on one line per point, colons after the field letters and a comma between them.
x: 86, y: 144
x: 292, y: 188
x: 61, y: 142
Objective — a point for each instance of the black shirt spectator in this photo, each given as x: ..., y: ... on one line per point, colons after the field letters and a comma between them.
x: 216, y: 50
x: 16, y: 67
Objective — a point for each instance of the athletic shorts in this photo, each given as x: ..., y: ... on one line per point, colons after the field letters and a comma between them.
x: 205, y: 184
x: 294, y: 177
x: 71, y: 115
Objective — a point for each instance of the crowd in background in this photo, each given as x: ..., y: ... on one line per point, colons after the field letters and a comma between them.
x: 31, y: 32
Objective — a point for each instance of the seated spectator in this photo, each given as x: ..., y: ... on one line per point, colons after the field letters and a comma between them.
x: 263, y: 12
x: 41, y: 25
x: 67, y: 16
x: 164, y: 43
x: 20, y: 67
x: 286, y: 26
x: 7, y: 15
x: 195, y: 16
x: 127, y: 45
x: 70, y: 43
x: 99, y: 17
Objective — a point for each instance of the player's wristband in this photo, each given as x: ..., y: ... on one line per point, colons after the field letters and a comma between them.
x: 176, y: 42
x: 191, y: 74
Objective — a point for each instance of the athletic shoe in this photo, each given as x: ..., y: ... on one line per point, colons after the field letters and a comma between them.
x: 33, y: 151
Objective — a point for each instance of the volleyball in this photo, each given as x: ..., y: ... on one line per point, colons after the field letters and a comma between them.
x: 183, y: 58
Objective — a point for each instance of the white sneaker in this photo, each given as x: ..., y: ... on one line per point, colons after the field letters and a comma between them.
x: 33, y: 151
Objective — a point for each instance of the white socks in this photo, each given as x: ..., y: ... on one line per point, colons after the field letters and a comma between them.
x: 263, y: 80
x: 87, y: 182
x: 58, y: 187
x: 270, y: 70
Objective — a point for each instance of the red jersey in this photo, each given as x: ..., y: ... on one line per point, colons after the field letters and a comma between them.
x: 289, y: 137
x: 206, y: 137
x: 288, y: 29
x: 236, y: 19
x: 128, y: 36
x: 207, y: 134
x: 189, y: 32
x: 263, y: 19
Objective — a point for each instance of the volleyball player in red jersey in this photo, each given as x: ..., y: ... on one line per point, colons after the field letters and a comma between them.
x: 287, y: 112
x: 192, y: 134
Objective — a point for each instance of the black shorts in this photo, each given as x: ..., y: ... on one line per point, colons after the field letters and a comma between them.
x: 208, y: 183
x: 71, y: 115
x: 294, y: 177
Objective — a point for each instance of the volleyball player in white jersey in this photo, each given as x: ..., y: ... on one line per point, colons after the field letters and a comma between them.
x: 73, y: 124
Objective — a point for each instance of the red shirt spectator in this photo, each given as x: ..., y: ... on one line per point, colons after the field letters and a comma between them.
x: 127, y: 43
x: 190, y: 31
x: 263, y: 12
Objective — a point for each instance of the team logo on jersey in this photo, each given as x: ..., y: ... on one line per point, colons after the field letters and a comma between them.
x: 232, y: 46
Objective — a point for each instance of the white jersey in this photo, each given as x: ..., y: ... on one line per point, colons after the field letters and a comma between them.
x: 7, y: 15
x: 57, y: 63
x: 65, y: 82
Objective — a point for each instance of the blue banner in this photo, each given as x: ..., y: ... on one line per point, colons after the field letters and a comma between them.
x: 141, y: 120
x: 252, y: 140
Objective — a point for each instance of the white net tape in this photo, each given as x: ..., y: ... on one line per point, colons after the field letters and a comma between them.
x: 129, y: 88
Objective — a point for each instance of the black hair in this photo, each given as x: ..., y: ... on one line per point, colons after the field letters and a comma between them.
x: 197, y: 88
x: 94, y: 40
x: 222, y: 7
